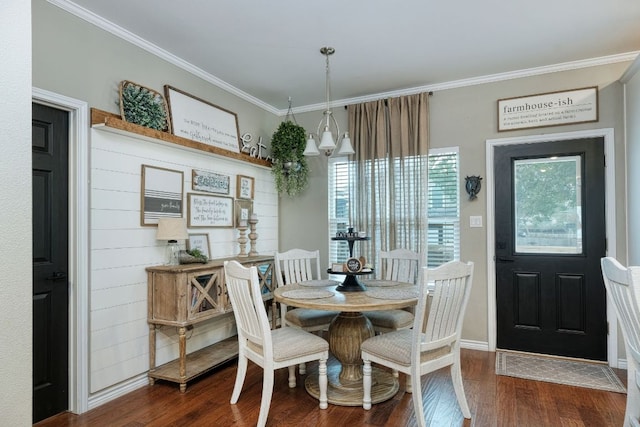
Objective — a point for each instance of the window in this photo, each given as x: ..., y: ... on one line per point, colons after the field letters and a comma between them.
x: 443, y: 237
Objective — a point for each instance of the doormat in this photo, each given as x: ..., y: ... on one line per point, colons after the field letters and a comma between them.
x: 560, y: 371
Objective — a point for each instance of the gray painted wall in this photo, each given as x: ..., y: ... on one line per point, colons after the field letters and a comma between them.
x: 632, y: 113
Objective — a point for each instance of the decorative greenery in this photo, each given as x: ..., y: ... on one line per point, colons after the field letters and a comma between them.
x: 192, y: 256
x: 289, y: 168
x: 143, y: 106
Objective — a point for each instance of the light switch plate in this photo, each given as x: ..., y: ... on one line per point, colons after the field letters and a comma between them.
x: 475, y: 221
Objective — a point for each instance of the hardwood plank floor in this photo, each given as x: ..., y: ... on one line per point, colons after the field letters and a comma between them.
x: 494, y: 401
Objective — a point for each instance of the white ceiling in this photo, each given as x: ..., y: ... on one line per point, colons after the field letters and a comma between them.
x: 268, y: 50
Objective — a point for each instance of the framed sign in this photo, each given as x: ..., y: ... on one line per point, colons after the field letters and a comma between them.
x: 210, y: 182
x: 245, y: 187
x: 161, y: 194
x: 201, y: 121
x: 209, y: 211
x: 243, y: 209
x: 200, y: 242
x: 548, y: 109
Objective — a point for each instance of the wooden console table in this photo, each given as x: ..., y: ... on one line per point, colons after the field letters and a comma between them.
x: 187, y: 294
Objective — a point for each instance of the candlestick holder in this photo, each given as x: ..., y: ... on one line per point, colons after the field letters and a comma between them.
x: 253, y: 236
x: 242, y: 240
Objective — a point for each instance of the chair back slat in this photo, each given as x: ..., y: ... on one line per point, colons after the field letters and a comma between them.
x: 441, y: 306
x: 297, y: 265
x: 243, y: 287
x: 400, y: 265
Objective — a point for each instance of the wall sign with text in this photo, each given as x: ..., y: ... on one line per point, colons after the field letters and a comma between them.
x: 548, y: 109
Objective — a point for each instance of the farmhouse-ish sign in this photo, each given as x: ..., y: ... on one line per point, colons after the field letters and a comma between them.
x: 548, y: 109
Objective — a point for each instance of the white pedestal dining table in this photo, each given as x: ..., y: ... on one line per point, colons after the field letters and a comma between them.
x: 347, y: 331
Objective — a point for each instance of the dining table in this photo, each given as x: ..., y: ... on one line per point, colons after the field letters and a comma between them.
x: 347, y: 331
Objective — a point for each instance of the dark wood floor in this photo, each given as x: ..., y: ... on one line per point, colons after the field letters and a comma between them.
x: 494, y: 401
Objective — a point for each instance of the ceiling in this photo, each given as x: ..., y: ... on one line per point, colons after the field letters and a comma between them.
x: 268, y: 51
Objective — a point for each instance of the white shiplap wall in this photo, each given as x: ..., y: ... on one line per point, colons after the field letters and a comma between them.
x: 121, y: 249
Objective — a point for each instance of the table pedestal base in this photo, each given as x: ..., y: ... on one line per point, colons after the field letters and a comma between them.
x: 384, y: 386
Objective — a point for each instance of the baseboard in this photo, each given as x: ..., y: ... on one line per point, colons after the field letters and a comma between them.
x: 474, y: 345
x: 118, y: 390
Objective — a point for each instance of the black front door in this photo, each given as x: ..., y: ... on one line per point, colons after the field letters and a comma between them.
x: 50, y: 135
x: 550, y: 236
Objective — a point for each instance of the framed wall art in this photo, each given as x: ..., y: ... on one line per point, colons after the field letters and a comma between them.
x: 245, y: 187
x: 243, y: 211
x: 161, y: 194
x: 210, y: 182
x: 196, y: 119
x: 205, y: 210
x: 200, y: 242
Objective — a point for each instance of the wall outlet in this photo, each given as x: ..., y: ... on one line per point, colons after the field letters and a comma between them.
x: 475, y: 221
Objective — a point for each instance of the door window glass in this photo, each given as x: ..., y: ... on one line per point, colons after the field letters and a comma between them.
x: 548, y: 205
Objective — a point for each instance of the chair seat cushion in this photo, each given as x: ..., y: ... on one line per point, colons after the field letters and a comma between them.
x: 396, y: 347
x: 390, y: 319
x: 308, y: 318
x: 289, y: 343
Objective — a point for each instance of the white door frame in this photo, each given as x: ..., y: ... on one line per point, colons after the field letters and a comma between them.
x: 610, y: 215
x: 78, y: 243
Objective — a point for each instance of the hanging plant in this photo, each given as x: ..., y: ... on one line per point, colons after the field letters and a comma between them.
x: 289, y: 168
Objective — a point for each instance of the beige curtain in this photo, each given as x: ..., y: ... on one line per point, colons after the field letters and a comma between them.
x: 388, y: 178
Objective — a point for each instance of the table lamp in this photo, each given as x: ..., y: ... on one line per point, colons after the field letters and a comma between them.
x: 172, y: 230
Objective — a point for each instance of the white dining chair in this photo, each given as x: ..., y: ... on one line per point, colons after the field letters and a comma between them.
x: 267, y: 348
x: 398, y: 265
x: 433, y: 342
x: 623, y: 288
x: 295, y: 266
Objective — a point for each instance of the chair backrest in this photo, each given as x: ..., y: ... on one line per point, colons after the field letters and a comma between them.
x: 297, y: 265
x: 441, y: 305
x: 622, y: 286
x: 252, y: 323
x: 400, y: 265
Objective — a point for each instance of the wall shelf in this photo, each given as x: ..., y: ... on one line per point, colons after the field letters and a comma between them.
x: 110, y: 122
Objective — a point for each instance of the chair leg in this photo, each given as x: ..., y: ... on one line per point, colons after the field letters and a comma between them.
x: 407, y: 384
x: 302, y: 368
x: 322, y: 382
x: 242, y: 372
x: 416, y: 396
x: 265, y: 403
x: 292, y: 376
x: 458, y: 387
x: 366, y: 385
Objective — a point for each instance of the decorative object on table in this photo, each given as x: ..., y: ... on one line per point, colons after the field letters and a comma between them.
x: 354, y: 265
x: 143, y: 106
x: 172, y: 230
x: 253, y: 236
x: 245, y: 187
x: 160, y: 194
x: 337, y: 267
x: 205, y: 210
x: 328, y: 142
x: 192, y: 256
x: 199, y: 242
x: 473, y: 186
x: 210, y: 182
x: 201, y: 121
x: 243, y: 211
x: 289, y: 168
x: 242, y: 238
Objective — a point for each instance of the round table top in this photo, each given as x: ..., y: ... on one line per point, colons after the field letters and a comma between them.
x: 322, y: 295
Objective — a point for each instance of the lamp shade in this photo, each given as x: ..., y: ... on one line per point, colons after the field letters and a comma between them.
x: 346, y: 148
x: 172, y: 229
x: 311, y: 149
x: 327, y: 142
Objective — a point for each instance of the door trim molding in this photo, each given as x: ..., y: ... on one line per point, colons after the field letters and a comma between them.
x: 78, y: 243
x: 610, y: 215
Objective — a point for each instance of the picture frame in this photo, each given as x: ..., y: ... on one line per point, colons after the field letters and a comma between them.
x: 201, y: 121
x: 161, y: 194
x: 245, y: 187
x: 210, y: 182
x: 243, y: 211
x: 548, y: 109
x: 206, y: 210
x: 199, y: 241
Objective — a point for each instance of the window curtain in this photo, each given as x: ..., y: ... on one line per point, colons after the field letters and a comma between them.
x: 388, y: 177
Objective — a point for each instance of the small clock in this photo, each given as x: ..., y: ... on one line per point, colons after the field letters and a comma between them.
x: 354, y: 265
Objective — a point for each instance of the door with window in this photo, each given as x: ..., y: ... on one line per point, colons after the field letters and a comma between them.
x: 550, y: 236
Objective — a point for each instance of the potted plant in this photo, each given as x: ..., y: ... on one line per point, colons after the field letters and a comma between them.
x: 289, y: 168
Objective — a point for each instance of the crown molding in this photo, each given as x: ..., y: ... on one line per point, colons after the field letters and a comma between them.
x: 126, y: 35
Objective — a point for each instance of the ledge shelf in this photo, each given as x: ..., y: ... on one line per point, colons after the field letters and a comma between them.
x: 113, y: 123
